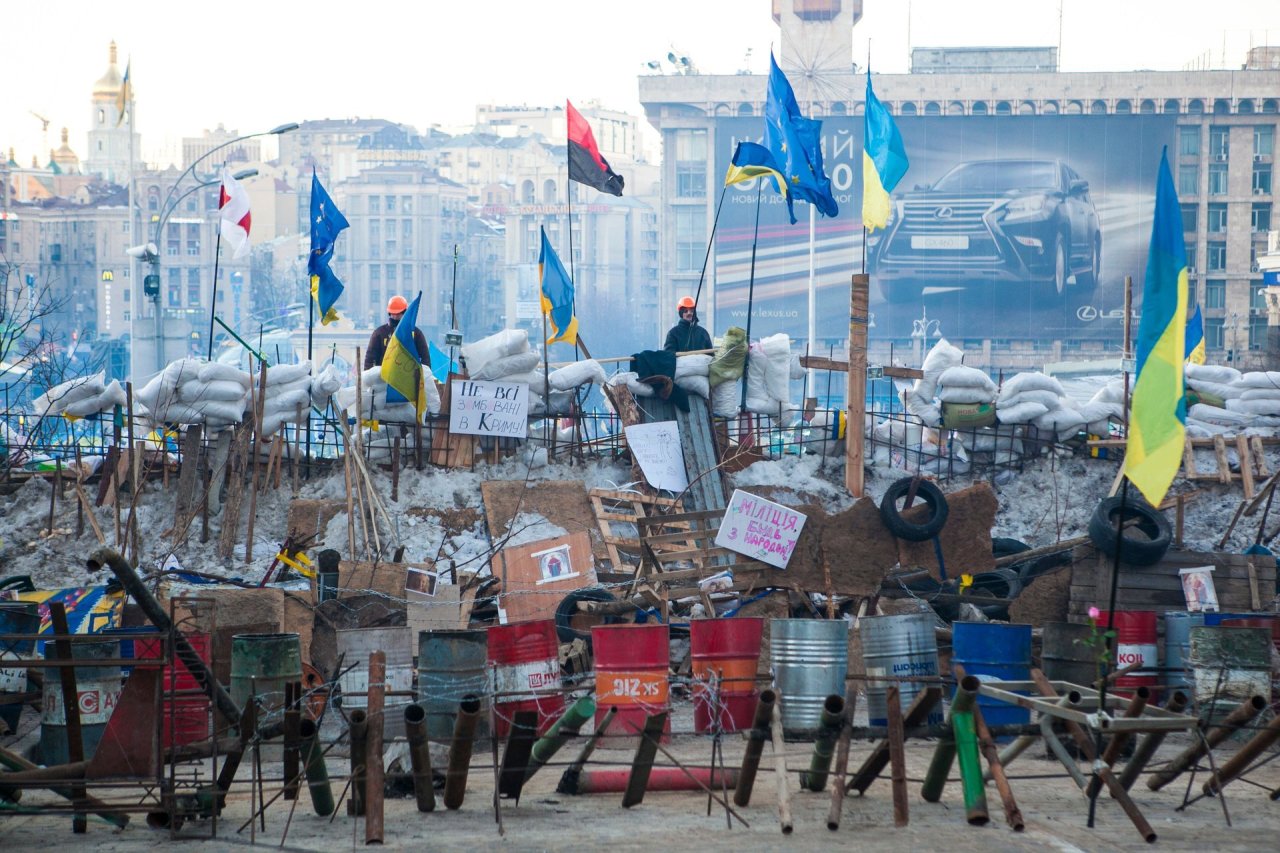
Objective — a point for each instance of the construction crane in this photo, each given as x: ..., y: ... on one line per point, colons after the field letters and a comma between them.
x: 44, y: 130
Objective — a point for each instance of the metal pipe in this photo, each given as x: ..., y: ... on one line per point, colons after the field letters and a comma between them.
x: 415, y: 727
x: 642, y: 764
x: 897, y: 757
x: 944, y: 754
x: 1238, y: 762
x: 1150, y: 743
x: 1019, y: 746
x: 880, y: 757
x: 568, y: 726
x: 660, y: 779
x: 987, y: 744
x: 317, y: 770
x: 830, y: 725
x: 1238, y: 718
x: 1060, y: 751
x: 464, y: 735
x: 756, y: 738
x: 569, y: 780
x: 842, y: 767
x: 358, y: 735
x: 975, y: 796
x: 374, y: 788
x: 292, y: 738
x: 1137, y: 704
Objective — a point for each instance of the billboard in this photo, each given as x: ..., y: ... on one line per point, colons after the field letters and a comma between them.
x: 1005, y: 227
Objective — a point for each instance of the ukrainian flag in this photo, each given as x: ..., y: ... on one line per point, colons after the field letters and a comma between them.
x: 1159, y: 412
x: 557, y: 294
x: 1195, y: 338
x: 401, y: 369
x: 884, y: 161
x: 752, y: 160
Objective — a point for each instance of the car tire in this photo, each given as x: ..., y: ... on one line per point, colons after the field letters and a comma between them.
x: 1089, y: 280
x: 1134, y: 551
x: 903, y: 529
x: 1057, y: 281
x: 901, y: 292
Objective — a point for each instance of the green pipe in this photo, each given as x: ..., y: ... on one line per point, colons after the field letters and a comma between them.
x: 966, y: 746
x: 824, y: 745
x: 317, y: 771
x: 561, y: 730
x: 935, y: 779
x: 259, y: 356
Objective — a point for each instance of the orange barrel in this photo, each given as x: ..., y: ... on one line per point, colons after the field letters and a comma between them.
x: 729, y: 651
x: 185, y: 715
x: 525, y: 659
x: 632, y: 662
x: 1135, y: 643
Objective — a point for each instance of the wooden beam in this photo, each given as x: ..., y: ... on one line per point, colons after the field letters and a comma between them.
x: 856, y: 399
x: 821, y: 362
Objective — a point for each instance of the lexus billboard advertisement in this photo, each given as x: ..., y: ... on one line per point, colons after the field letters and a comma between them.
x: 1004, y: 228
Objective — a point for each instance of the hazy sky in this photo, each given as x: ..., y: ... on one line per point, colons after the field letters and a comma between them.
x: 251, y: 66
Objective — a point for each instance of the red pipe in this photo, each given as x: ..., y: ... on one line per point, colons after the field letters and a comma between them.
x: 660, y: 779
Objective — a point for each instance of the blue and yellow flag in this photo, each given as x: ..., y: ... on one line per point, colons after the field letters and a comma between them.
x: 557, y: 294
x: 401, y: 369
x: 1195, y: 338
x: 327, y: 222
x: 794, y: 141
x: 125, y: 96
x: 884, y: 161
x: 1159, y: 410
x: 752, y: 160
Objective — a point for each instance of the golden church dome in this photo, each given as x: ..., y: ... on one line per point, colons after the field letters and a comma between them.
x: 109, y: 83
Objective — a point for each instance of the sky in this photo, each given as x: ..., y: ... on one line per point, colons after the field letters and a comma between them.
x: 252, y: 66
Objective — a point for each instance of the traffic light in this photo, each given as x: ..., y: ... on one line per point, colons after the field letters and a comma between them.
x: 151, y: 286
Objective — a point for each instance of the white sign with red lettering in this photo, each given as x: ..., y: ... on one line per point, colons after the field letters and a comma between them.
x: 760, y: 529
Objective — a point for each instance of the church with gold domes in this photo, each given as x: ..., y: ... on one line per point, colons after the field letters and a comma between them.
x: 112, y: 140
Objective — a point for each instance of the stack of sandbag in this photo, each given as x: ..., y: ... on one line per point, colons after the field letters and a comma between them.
x: 725, y: 371
x: 966, y: 394
x: 693, y: 374
x: 1002, y: 444
x: 80, y: 397
x: 769, y: 376
x: 1105, y: 406
x: 324, y: 385
x: 1027, y: 396
x: 919, y: 398
x: 1259, y: 394
x: 509, y: 342
x: 373, y: 405
x: 195, y: 391
x: 287, y: 396
x: 1212, y: 384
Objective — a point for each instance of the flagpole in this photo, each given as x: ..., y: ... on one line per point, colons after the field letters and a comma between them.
x: 813, y: 322
x: 751, y: 290
x: 311, y: 325
x: 697, y: 297
x: 568, y: 199
x: 213, y: 297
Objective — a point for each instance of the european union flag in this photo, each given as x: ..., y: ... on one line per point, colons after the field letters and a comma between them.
x: 326, y: 223
x: 795, y: 143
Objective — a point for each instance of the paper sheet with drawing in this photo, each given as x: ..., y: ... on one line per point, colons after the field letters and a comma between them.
x: 657, y: 448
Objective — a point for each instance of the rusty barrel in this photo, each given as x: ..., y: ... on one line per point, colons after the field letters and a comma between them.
x: 632, y: 663
x: 524, y: 658
x: 261, y: 665
x: 728, y: 652
x: 16, y: 617
x: 451, y: 665
x: 1066, y: 653
x: 354, y: 647
x: 185, y: 708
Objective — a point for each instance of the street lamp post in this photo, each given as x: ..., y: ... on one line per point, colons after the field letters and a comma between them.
x: 921, y: 330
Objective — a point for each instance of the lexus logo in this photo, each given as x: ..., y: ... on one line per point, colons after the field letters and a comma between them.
x: 943, y: 213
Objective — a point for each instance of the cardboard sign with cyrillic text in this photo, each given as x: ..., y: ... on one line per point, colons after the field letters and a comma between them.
x: 760, y: 529
x: 489, y: 408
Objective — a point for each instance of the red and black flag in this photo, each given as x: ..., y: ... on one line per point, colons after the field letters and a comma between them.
x: 586, y: 166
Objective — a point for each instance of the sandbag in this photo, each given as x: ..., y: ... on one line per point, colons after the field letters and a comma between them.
x: 57, y: 398
x: 535, y: 379
x: 214, y: 371
x: 1030, y: 381
x: 1255, y: 407
x: 1023, y: 413
x: 942, y: 356
x: 225, y: 390
x: 725, y: 398
x: 961, y: 376
x: 1212, y: 373
x: 1048, y: 399
x: 777, y: 352
x: 283, y: 374
x: 693, y: 365
x: 695, y: 385
x: 1260, y: 394
x: 922, y: 408
x: 1224, y: 391
x: 287, y: 401
x: 506, y: 342
x: 1259, y: 379
x: 581, y: 373
x: 507, y: 365
x: 1060, y: 421
x: 111, y: 396
x: 962, y: 394
x: 1112, y: 392
x: 731, y: 352
x: 1214, y: 415
x: 324, y: 385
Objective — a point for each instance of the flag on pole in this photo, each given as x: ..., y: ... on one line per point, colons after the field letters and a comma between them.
x: 233, y: 210
x: 752, y: 160
x: 557, y: 294
x: 884, y: 161
x: 125, y: 95
x: 1195, y: 338
x: 586, y: 166
x: 401, y: 369
x: 1159, y: 410
x: 327, y: 222
x: 441, y: 364
x: 794, y: 141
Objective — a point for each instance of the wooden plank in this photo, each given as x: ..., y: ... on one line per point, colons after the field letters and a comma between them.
x: 698, y: 515
x: 1220, y: 453
x: 1246, y: 466
x: 1259, y: 458
x: 856, y: 393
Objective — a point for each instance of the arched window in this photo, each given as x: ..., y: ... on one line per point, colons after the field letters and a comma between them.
x: 932, y: 109
x: 1003, y: 108
x: 1098, y: 108
x: 1245, y: 107
x: 1027, y: 108
x: 746, y: 110
x: 549, y: 192
x: 839, y: 108
x: 979, y: 108
x: 1195, y: 107
x: 1123, y: 108
x: 1050, y: 108
x: 1222, y: 107
x: 955, y: 108
x: 526, y: 193
x: 1172, y: 107
x: 1073, y: 108
x: 721, y: 110
x: 1269, y: 106
x: 1148, y: 107
x: 908, y: 109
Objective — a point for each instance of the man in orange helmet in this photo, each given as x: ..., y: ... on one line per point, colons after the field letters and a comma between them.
x: 687, y: 334
x: 378, y: 340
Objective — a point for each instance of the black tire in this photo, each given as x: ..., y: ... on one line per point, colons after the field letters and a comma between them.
x: 1003, y: 546
x: 1004, y: 584
x: 1057, y: 281
x: 1089, y: 279
x: 568, y: 608
x: 1144, y: 549
x: 925, y: 491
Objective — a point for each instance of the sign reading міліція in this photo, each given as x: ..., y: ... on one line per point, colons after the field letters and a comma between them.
x: 489, y: 408
x: 760, y: 529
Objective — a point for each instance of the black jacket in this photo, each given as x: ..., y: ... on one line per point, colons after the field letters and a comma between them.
x: 685, y: 336
x: 377, y: 349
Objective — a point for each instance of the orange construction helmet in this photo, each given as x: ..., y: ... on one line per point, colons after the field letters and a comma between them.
x: 685, y: 302
x: 397, y: 305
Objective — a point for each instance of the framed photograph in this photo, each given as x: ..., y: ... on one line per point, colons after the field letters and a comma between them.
x: 1198, y: 589
x: 554, y: 564
x: 420, y: 581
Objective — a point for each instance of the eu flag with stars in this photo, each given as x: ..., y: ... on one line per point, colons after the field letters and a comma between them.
x: 326, y: 223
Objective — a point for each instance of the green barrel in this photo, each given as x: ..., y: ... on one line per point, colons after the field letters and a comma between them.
x: 262, y: 664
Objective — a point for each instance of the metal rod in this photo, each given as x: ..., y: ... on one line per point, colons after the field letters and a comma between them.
x: 16, y: 762
x: 879, y: 758
x: 944, y: 754
x: 415, y: 728
x: 756, y: 737
x: 70, y: 703
x: 830, y: 725
x: 464, y: 733
x: 1236, y: 765
x: 1137, y: 705
x: 317, y: 770
x: 1240, y: 717
x: 660, y: 779
x: 654, y: 724
x: 897, y: 757
x: 568, y: 726
x: 358, y: 734
x: 373, y: 791
x: 842, y: 766
x: 987, y: 745
x: 1149, y: 744
x: 292, y: 739
x: 975, y: 797
x: 569, y: 781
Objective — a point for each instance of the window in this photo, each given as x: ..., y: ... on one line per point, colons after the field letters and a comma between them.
x: 390, y: 204
x: 193, y: 240
x: 1217, y: 256
x: 375, y: 204
x: 1219, y: 143
x: 1217, y: 179
x: 391, y: 276
x: 1189, y: 141
x: 1188, y: 180
x: 174, y: 287
x: 1213, y: 332
x: 1190, y: 217
x: 1262, y: 179
x: 1258, y: 330
x: 375, y: 275
x: 1257, y: 296
x: 1191, y: 295
x: 406, y: 275
x: 222, y: 297
x: 1217, y: 219
x: 375, y: 299
x: 1215, y: 294
x: 406, y: 229
x: 691, y: 163
x: 1260, y: 218
x: 193, y: 287
x: 691, y: 223
x: 1264, y: 141
x: 406, y: 204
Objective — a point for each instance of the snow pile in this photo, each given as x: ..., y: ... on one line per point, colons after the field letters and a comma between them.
x: 80, y: 398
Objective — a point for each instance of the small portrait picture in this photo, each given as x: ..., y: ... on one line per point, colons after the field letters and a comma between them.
x: 554, y: 564
x: 1198, y: 589
x: 420, y: 581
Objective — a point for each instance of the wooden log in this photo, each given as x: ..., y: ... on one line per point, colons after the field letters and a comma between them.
x: 856, y: 399
x: 780, y: 771
x: 255, y: 443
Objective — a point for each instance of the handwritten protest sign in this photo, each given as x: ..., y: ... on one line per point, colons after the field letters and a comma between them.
x: 489, y: 408
x: 657, y: 448
x: 760, y: 529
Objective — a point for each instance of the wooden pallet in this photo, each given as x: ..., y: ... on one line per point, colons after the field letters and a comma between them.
x: 677, y: 561
x: 1249, y: 449
x: 614, y: 508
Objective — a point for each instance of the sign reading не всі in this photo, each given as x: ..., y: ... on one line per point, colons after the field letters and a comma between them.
x: 489, y: 408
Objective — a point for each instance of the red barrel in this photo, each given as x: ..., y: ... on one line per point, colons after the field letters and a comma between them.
x: 726, y: 651
x: 632, y: 663
x: 1135, y: 643
x: 525, y: 658
x: 185, y: 715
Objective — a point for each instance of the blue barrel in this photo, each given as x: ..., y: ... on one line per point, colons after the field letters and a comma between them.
x: 16, y: 618
x: 1177, y: 642
x: 994, y: 651
x: 1214, y: 620
x: 451, y: 665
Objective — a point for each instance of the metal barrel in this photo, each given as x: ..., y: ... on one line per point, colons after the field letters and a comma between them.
x: 895, y: 647
x: 1135, y: 643
x: 263, y: 664
x: 1229, y: 666
x: 16, y: 618
x: 185, y: 709
x: 98, y: 689
x: 1177, y: 644
x: 810, y: 661
x: 451, y: 664
x: 631, y: 675
x: 727, y: 650
x: 1067, y: 653
x: 525, y: 657
x: 354, y: 647
x: 994, y: 651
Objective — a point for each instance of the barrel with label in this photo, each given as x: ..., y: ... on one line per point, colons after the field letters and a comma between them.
x: 98, y: 689
x: 451, y: 665
x: 16, y: 617
x: 898, y: 650
x: 354, y: 647
x: 632, y: 662
x: 261, y: 665
x: 525, y: 660
x: 810, y: 661
x: 726, y: 653
x: 1135, y: 643
x: 995, y: 651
